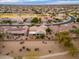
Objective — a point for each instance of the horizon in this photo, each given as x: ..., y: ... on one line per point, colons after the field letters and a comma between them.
x: 38, y: 2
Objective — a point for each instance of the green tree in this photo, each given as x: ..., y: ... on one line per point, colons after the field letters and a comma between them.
x: 75, y: 31
x: 73, y: 50
x: 64, y: 39
x: 40, y: 36
x: 2, y: 35
x: 77, y: 20
x: 35, y: 20
x: 48, y: 30
x: 31, y: 55
x: 7, y: 22
x: 40, y: 20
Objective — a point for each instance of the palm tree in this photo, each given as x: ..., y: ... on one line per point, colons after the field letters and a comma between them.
x: 28, y: 30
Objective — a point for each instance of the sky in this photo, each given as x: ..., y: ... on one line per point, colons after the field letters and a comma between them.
x: 38, y: 2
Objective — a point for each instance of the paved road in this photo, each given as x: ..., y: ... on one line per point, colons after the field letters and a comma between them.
x: 70, y: 19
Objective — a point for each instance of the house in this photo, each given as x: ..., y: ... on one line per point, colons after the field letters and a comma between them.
x: 61, y: 16
x: 12, y: 19
x: 37, y: 30
x: 19, y: 31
